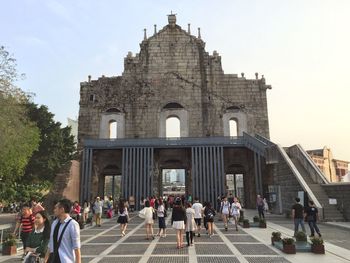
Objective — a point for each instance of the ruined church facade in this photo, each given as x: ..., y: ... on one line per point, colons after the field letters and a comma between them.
x: 173, y: 76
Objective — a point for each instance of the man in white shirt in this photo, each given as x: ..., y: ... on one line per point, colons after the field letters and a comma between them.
x: 64, y: 246
x: 198, y: 214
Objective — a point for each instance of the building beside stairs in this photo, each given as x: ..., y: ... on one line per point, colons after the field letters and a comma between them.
x: 222, y: 145
x: 334, y: 170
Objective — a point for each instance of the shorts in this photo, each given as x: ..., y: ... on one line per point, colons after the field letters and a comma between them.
x: 161, y: 222
x: 198, y: 221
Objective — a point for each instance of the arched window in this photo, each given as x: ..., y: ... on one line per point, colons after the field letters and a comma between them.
x: 113, y: 125
x: 172, y: 127
x: 233, y: 128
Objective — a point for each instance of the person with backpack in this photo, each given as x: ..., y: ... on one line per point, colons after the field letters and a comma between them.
x: 198, y: 209
x: 209, y: 214
x: 225, y: 211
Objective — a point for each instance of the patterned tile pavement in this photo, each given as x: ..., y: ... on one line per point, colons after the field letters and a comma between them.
x: 104, y: 244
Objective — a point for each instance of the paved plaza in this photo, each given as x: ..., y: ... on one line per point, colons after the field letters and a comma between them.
x: 104, y: 244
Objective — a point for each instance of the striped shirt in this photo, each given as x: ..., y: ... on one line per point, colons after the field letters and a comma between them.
x: 27, y: 223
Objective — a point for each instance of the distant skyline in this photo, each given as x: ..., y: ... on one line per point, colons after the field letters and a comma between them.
x: 301, y: 47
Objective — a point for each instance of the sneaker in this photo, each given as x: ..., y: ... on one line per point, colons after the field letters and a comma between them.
x: 319, y: 234
x: 199, y: 235
x: 226, y: 228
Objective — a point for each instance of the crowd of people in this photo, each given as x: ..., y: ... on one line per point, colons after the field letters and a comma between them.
x: 59, y: 241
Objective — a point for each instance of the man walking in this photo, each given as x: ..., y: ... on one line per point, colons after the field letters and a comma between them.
x: 64, y: 244
x: 311, y: 216
x: 198, y: 213
x: 297, y: 215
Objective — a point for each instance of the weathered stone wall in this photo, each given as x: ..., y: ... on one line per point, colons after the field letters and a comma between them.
x: 340, y: 191
x: 173, y: 66
x: 289, y: 185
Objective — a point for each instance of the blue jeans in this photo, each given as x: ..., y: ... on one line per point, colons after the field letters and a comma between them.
x: 313, y: 226
x: 297, y: 222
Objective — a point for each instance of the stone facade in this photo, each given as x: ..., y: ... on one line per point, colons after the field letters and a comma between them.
x: 173, y: 76
x: 173, y: 67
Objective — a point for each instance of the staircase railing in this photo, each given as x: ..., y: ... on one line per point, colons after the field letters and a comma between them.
x: 300, y: 179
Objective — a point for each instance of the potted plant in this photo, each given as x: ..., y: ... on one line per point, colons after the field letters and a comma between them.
x: 288, y: 245
x: 301, y: 237
x: 262, y: 223
x: 246, y: 223
x: 9, y: 245
x: 317, y: 245
x: 256, y: 219
x: 275, y: 237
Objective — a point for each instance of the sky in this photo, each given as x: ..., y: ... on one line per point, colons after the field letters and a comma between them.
x: 301, y: 47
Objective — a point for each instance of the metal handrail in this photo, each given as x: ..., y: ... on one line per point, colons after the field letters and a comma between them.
x: 164, y: 142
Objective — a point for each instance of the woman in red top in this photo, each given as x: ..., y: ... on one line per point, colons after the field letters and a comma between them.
x: 75, y: 211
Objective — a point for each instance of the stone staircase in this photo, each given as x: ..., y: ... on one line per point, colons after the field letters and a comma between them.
x: 330, y: 212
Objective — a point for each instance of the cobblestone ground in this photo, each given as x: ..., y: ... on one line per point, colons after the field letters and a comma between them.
x: 104, y: 244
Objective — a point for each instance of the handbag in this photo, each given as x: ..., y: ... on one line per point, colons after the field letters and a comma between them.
x: 142, y: 213
x: 154, y: 215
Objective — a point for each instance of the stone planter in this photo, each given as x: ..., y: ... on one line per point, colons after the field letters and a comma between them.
x: 289, y: 249
x: 262, y: 225
x: 273, y: 240
x: 9, y: 250
x: 246, y: 225
x: 317, y: 249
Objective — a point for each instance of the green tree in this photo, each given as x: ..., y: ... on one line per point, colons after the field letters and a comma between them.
x: 56, y: 147
x: 19, y: 137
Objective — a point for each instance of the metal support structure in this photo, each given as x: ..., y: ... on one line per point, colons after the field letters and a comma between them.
x: 137, y: 173
x: 85, y: 183
x: 207, y: 172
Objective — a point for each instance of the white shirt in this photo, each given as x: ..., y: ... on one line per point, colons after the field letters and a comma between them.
x: 198, y: 208
x: 70, y: 240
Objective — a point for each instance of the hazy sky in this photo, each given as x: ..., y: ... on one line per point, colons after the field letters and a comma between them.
x: 301, y: 47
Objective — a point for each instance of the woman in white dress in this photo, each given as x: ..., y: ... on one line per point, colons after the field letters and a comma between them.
x: 190, y: 224
x: 148, y: 212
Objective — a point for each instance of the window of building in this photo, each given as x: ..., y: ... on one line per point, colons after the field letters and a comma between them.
x: 172, y: 127
x: 113, y: 125
x: 233, y: 128
x: 92, y: 97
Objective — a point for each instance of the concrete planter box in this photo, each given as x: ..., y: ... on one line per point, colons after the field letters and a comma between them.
x: 9, y: 250
x: 317, y: 249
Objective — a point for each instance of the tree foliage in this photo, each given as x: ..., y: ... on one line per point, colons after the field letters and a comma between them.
x: 19, y: 137
x: 56, y: 147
